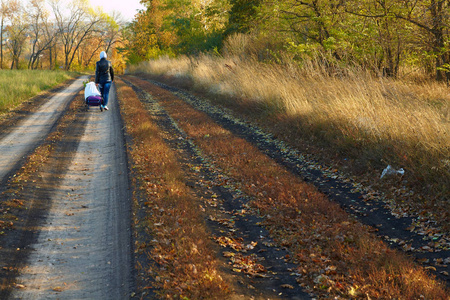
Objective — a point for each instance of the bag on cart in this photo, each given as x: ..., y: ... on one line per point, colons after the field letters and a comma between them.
x: 92, y: 96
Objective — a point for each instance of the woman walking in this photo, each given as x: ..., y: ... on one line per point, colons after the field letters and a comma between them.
x: 104, y: 76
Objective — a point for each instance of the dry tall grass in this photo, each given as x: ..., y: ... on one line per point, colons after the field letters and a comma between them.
x: 404, y: 123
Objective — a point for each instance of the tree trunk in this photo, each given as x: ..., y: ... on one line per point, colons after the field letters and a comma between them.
x: 437, y: 30
x: 1, y: 45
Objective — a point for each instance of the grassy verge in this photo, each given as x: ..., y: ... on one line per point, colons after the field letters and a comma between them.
x: 346, y: 117
x: 335, y: 255
x: 184, y: 264
x: 17, y: 86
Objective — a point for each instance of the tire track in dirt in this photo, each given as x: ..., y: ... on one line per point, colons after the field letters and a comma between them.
x: 227, y: 217
x: 83, y: 245
x: 375, y: 213
x: 31, y: 196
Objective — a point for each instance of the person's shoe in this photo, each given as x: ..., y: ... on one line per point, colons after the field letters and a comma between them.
x: 105, y: 107
x: 101, y: 107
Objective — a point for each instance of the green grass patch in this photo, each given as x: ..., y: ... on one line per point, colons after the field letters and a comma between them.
x: 17, y: 86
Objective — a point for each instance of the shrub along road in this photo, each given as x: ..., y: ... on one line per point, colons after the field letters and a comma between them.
x: 67, y: 210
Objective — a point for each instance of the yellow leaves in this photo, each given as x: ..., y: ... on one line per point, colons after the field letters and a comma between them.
x: 239, y: 263
x: 330, y: 270
x: 249, y: 265
x: 354, y: 291
x: 193, y: 269
x: 251, y: 246
x: 6, y: 224
x: 235, y: 244
x: 228, y: 254
x: 194, y: 249
x: 345, y: 223
x: 222, y: 221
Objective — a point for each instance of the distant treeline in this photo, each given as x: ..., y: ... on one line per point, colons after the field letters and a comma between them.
x: 55, y: 34
x: 378, y: 35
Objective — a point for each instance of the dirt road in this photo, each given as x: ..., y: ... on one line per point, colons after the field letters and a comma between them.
x: 83, y: 246
x: 74, y: 240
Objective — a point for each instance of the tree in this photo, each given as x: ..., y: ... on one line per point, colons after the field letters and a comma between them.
x: 431, y: 17
x: 17, y: 33
x: 141, y: 40
x: 75, y: 28
x: 198, y: 25
x: 112, y: 27
x: 105, y: 35
x: 316, y: 21
x: 42, y: 32
x: 378, y: 34
x: 242, y: 15
x: 6, y: 10
x: 384, y: 36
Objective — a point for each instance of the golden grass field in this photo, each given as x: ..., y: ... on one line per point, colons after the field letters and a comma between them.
x: 360, y: 117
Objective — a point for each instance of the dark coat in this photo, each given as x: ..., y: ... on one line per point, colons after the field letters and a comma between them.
x: 104, y: 71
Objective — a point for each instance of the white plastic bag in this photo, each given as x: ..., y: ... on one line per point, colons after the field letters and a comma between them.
x: 91, y: 90
x: 391, y: 171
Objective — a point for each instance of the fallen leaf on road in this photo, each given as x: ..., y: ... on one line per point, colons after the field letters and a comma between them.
x: 228, y: 254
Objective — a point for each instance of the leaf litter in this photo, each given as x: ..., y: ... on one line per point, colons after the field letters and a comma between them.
x: 214, y: 188
x: 323, y: 280
x: 361, y: 200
